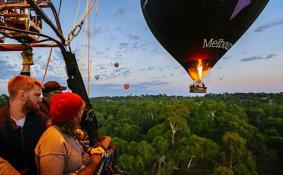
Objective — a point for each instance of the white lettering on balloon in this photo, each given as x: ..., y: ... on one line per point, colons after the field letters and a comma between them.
x: 213, y: 43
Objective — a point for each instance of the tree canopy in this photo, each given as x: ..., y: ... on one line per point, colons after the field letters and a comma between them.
x: 217, y: 134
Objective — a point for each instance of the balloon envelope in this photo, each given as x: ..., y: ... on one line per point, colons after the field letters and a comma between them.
x: 116, y: 64
x: 197, y: 33
x: 126, y: 86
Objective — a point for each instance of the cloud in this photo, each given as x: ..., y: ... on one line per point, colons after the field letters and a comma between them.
x: 56, y: 66
x: 254, y: 58
x: 58, y: 54
x: 107, y: 71
x: 150, y: 68
x: 2, y: 57
x: 83, y: 46
x: 123, y: 45
x: 99, y: 53
x: 269, y: 25
x: 226, y: 57
x: 97, y: 31
x: 8, y: 63
x: 121, y: 11
x: 118, y: 73
x: 146, y: 69
x: 8, y: 69
x: 150, y: 84
x: 102, y: 68
x: 138, y: 45
x: 109, y: 86
x: 133, y: 36
x: 137, y: 88
x: 119, y: 29
x: 123, y: 49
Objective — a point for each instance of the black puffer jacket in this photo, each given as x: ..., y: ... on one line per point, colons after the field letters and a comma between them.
x: 17, y: 143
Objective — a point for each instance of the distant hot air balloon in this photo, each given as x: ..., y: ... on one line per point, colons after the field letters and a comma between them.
x: 96, y: 77
x: 116, y: 64
x: 126, y: 86
x: 197, y: 33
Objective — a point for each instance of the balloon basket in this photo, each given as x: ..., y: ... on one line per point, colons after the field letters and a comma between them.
x: 198, y: 87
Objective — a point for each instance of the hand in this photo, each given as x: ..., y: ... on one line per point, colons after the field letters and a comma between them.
x: 92, y: 166
x: 85, y: 158
x: 98, y: 151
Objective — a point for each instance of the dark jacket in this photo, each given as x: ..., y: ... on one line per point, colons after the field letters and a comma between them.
x: 17, y: 143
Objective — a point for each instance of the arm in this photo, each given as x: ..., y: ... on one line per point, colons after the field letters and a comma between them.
x: 6, y: 168
x: 51, y: 164
x: 92, y: 166
x: 50, y: 153
x: 48, y: 162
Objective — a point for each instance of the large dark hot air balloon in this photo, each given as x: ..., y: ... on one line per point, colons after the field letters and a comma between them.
x: 197, y: 33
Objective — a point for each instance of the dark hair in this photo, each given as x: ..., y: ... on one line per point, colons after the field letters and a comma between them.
x: 67, y: 127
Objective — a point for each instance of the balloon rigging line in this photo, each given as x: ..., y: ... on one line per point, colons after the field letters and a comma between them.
x: 59, y: 9
x: 88, y: 52
x: 75, y: 31
x: 51, y: 49
x: 47, y: 65
x: 77, y: 13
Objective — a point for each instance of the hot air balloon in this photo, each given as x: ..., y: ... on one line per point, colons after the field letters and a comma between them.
x: 96, y: 77
x: 197, y: 33
x: 126, y: 86
x: 116, y: 65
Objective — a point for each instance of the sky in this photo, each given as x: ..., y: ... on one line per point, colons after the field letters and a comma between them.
x: 119, y: 33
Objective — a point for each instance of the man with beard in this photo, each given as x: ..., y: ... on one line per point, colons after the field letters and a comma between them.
x: 21, y: 123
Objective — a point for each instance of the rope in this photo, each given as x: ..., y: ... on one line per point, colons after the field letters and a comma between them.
x: 47, y: 65
x: 51, y: 49
x: 95, y: 19
x: 59, y: 9
x: 77, y: 13
x: 83, y: 52
x: 87, y: 33
x: 81, y: 66
x: 88, y: 52
x: 89, y: 8
x: 82, y: 62
x: 76, y: 30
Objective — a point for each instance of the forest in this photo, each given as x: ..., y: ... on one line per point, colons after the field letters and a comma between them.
x: 217, y: 134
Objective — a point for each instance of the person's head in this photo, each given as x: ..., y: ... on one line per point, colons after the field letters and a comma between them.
x: 52, y: 88
x: 26, y: 91
x: 66, y: 110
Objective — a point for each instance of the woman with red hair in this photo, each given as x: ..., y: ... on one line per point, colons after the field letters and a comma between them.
x: 58, y: 152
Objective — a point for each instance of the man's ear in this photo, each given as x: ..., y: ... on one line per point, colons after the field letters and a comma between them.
x: 21, y: 94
